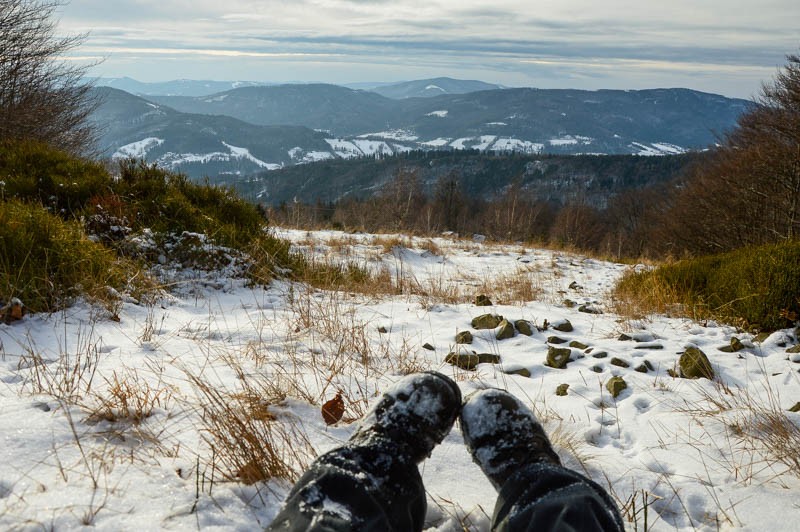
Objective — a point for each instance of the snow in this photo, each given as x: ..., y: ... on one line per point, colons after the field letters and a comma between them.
x: 436, y: 143
x: 562, y: 142
x: 438, y: 114
x: 496, y: 124
x: 344, y: 148
x: 244, y: 153
x: 434, y: 88
x: 670, y: 440
x: 657, y: 148
x: 394, y: 134
x: 372, y: 147
x: 506, y: 144
x: 301, y: 156
x: 174, y: 160
x: 138, y: 149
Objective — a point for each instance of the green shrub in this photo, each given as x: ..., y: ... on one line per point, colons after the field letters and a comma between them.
x: 170, y: 203
x: 47, y: 261
x: 755, y: 287
x: 35, y: 173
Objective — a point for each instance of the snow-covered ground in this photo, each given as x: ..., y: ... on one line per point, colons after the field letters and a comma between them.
x: 673, y: 449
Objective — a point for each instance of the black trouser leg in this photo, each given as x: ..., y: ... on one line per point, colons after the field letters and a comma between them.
x: 356, y: 488
x: 545, y: 497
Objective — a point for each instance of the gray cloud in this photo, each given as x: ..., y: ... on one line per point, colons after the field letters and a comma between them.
x: 512, y: 42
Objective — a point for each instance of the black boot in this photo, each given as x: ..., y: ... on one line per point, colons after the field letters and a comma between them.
x: 534, y: 491
x: 503, y: 435
x: 414, y: 415
x: 372, y: 481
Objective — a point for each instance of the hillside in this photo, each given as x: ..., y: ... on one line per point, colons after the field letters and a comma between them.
x: 197, y: 145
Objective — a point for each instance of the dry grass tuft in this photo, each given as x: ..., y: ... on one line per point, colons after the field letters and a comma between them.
x: 128, y: 398
x: 252, y: 438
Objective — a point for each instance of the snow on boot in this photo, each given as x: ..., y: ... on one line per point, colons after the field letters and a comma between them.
x: 502, y: 434
x: 415, y: 414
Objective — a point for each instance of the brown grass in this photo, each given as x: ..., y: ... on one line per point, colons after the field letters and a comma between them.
x: 252, y: 439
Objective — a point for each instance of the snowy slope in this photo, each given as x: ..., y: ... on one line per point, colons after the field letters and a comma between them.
x: 666, y: 443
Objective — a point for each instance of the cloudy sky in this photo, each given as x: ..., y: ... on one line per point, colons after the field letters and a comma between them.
x: 722, y: 46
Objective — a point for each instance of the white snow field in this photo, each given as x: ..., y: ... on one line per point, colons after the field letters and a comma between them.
x: 110, y: 424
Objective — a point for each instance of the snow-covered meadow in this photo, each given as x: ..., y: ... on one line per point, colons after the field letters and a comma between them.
x: 111, y: 424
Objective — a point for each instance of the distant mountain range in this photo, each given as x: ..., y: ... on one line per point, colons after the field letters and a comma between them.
x: 252, y: 128
x: 192, y: 87
x: 177, y: 87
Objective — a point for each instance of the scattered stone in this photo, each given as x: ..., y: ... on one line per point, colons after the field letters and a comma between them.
x: 734, y: 346
x: 563, y: 326
x: 600, y: 354
x: 588, y: 350
x: 506, y: 330
x: 575, y: 286
x: 558, y: 357
x: 561, y: 389
x: 569, y: 303
x: 597, y: 369
x: 761, y: 337
x: 589, y: 309
x: 795, y: 408
x: 523, y: 372
x: 615, y: 385
x: 794, y: 349
x: 382, y: 329
x: 545, y: 325
x: 482, y: 300
x: 619, y: 362
x: 694, y: 364
x: 524, y: 327
x: 578, y: 345
x: 672, y: 373
x: 556, y: 340
x: 479, y: 238
x: 14, y: 310
x: 428, y: 346
x: 464, y: 337
x: 486, y: 321
x: 644, y: 367
x: 624, y: 338
x: 466, y: 361
x: 649, y: 346
x: 488, y: 358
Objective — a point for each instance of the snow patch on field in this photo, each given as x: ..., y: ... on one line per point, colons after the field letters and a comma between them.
x: 570, y: 140
x: 173, y: 160
x: 657, y: 148
x: 524, y: 146
x: 373, y: 147
x: 436, y: 143
x: 138, y: 149
x: 438, y: 114
x: 394, y: 134
x: 301, y: 156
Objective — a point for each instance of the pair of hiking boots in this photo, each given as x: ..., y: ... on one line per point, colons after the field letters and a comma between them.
x: 415, y: 415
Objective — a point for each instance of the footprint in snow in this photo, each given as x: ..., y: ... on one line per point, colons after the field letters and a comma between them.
x: 642, y: 404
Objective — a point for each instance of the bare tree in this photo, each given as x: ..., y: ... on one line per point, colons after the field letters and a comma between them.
x: 43, y: 96
x: 748, y: 193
